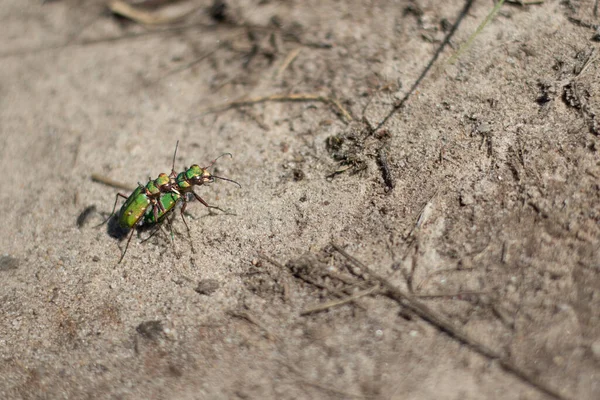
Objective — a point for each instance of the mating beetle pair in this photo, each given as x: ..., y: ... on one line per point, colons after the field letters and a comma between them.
x: 149, y: 204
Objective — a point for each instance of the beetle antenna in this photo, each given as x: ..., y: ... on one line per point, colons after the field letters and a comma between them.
x: 215, y: 160
x: 174, y: 154
x: 227, y: 179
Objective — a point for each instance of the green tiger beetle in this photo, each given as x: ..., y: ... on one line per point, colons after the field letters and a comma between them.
x: 158, y: 197
x: 183, y: 183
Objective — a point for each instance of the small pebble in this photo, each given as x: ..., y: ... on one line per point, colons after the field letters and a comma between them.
x: 596, y: 349
x: 207, y: 287
x: 8, y: 262
x: 466, y: 198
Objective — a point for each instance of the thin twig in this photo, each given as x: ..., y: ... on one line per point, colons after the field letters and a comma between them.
x: 337, y: 303
x: 272, y: 261
x: 333, y: 390
x: 425, y: 213
x: 303, y: 277
x: 525, y: 2
x: 144, y: 17
x: 436, y: 55
x: 446, y: 326
x: 107, y: 181
x: 582, y: 23
x: 259, y: 121
x: 250, y: 318
x: 340, y: 293
x: 286, y: 63
x: 386, y: 174
x: 330, y: 389
x: 591, y: 58
x: 466, y: 45
x: 94, y: 41
x: 199, y: 59
x: 281, y: 97
x: 447, y: 295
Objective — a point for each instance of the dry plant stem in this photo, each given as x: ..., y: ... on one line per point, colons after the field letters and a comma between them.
x: 145, y: 17
x: 447, y: 295
x: 445, y: 325
x: 437, y: 53
x: 272, y: 261
x: 349, y: 291
x: 109, y: 182
x: 386, y: 174
x: 332, y: 390
x: 250, y: 318
x: 94, y: 41
x: 336, y: 303
x: 525, y: 2
x: 340, y: 277
x: 198, y: 60
x: 305, y: 278
x: 591, y: 58
x: 162, y: 30
x: 310, y: 280
x: 287, y: 62
x: 465, y: 46
x: 259, y: 121
x: 334, y: 292
x: 320, y: 386
x: 282, y: 97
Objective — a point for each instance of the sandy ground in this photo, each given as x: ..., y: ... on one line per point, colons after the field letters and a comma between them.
x: 477, y: 199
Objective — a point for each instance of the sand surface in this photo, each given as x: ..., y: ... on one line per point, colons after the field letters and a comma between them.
x: 475, y: 194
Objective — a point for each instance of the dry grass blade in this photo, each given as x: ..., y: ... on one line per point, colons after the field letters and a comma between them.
x: 336, y: 303
x: 109, y: 182
x: 429, y: 65
x: 471, y: 38
x: 287, y: 62
x: 300, y: 377
x: 282, y: 97
x: 525, y: 2
x: 253, y: 320
x: 143, y: 17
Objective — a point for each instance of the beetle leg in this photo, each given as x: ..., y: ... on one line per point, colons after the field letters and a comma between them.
x: 114, y: 208
x: 170, y: 223
x: 126, y: 246
x: 160, y: 206
x: 201, y: 200
x: 151, y: 235
x: 183, y: 207
x: 182, y: 210
x: 156, y: 213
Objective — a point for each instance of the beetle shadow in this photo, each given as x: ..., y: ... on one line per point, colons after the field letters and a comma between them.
x: 115, y: 230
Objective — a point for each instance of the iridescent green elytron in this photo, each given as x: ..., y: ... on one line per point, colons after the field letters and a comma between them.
x: 168, y: 201
x: 142, y: 200
x: 137, y: 203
